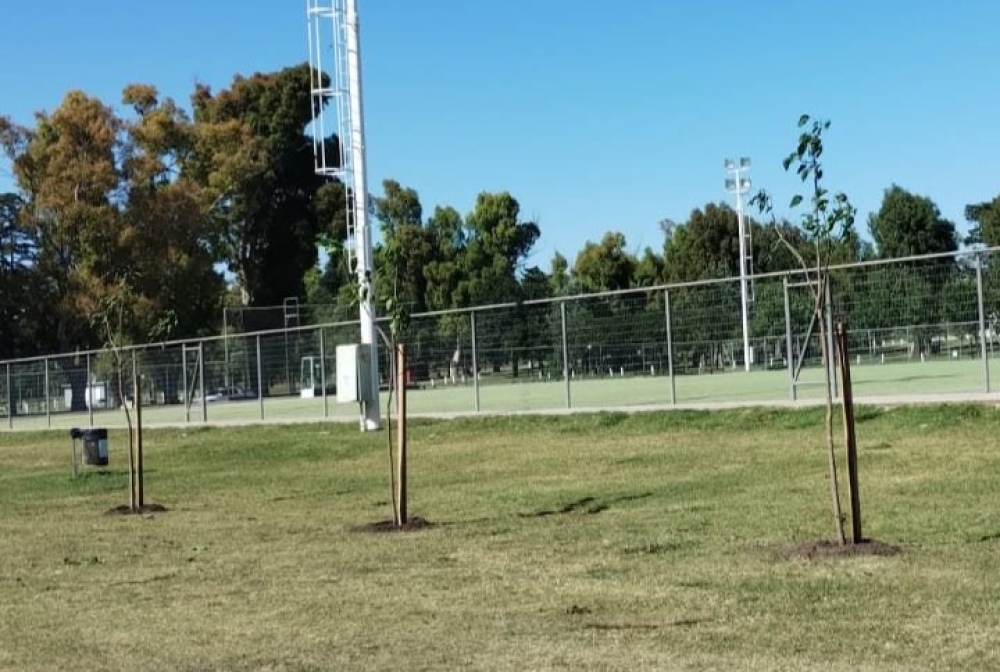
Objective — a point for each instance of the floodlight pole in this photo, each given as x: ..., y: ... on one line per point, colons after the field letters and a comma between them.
x: 345, y: 90
x: 363, y: 240
x: 740, y: 185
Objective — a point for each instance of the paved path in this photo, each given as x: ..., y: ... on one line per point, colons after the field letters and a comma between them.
x: 885, y: 401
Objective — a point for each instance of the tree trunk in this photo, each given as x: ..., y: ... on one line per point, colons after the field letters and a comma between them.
x: 78, y: 388
x: 828, y: 388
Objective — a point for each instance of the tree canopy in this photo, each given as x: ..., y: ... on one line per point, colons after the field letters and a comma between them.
x: 985, y: 219
x: 907, y: 225
x: 189, y: 207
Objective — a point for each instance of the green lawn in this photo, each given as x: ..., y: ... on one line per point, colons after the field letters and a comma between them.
x: 609, y: 541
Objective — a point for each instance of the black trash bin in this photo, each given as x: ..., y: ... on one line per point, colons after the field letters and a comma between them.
x: 95, y: 446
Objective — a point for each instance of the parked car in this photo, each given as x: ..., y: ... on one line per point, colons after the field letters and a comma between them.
x: 229, y: 394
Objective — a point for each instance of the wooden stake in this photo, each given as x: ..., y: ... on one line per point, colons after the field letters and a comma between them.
x: 847, y: 403
x: 140, y: 496
x: 401, y: 433
x: 133, y: 501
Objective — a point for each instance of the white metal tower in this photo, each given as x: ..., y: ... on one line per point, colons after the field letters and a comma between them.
x: 740, y: 185
x: 335, y: 43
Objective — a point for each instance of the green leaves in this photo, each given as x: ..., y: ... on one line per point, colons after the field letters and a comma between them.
x: 828, y: 219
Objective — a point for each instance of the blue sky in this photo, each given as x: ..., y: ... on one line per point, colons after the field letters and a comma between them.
x: 596, y: 115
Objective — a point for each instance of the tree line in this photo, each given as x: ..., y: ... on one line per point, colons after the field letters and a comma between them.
x: 145, y: 209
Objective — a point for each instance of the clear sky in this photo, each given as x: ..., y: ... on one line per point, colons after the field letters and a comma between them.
x: 596, y: 115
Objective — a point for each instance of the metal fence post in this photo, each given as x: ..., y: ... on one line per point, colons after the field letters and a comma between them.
x: 322, y: 372
x: 982, y: 323
x: 201, y: 381
x: 565, y: 349
x: 789, y: 348
x: 225, y: 346
x: 88, y: 396
x: 48, y: 401
x: 475, y: 359
x: 260, y: 381
x: 184, y: 382
x: 670, y: 346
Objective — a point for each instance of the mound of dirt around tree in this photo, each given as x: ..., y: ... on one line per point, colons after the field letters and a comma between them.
x: 126, y: 510
x: 414, y: 524
x: 814, y: 550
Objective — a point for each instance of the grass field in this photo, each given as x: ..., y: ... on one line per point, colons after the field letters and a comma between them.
x: 606, y: 541
x: 526, y: 394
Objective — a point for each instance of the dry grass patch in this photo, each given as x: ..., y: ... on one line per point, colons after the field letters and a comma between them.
x: 591, y: 542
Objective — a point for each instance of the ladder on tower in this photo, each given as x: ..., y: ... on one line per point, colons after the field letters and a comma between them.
x: 328, y: 40
x: 747, y: 262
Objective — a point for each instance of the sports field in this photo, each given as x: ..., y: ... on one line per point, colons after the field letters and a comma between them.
x: 659, y: 541
x: 871, y: 381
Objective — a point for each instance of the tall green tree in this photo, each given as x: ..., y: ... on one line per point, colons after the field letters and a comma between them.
x: 102, y: 199
x: 649, y: 269
x: 705, y: 247
x: 398, y: 206
x: 479, y: 261
x: 985, y: 220
x: 496, y: 247
x: 606, y: 265
x: 165, y: 237
x: 446, y: 229
x: 907, y: 224
x: 560, y: 278
x: 20, y: 285
x: 67, y: 172
x: 406, y: 248
x: 254, y: 158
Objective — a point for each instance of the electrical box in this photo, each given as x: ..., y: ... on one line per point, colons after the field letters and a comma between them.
x: 354, y: 373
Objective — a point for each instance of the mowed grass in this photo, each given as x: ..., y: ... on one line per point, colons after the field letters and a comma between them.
x: 609, y: 541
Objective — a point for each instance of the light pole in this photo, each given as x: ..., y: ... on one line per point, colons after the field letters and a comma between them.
x: 739, y: 185
x: 338, y: 19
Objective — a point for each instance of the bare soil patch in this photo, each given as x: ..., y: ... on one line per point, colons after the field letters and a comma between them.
x: 414, y: 524
x: 815, y: 550
x: 126, y: 510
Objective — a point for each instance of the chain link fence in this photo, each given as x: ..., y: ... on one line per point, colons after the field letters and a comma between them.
x: 920, y: 326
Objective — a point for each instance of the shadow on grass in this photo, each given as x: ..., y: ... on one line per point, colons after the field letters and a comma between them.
x: 577, y: 610
x: 589, y: 506
x: 907, y: 379
x: 89, y: 473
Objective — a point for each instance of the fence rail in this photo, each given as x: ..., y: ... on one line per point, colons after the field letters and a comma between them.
x: 918, y: 326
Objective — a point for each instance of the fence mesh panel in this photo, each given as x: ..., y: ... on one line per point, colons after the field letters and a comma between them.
x: 915, y: 327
